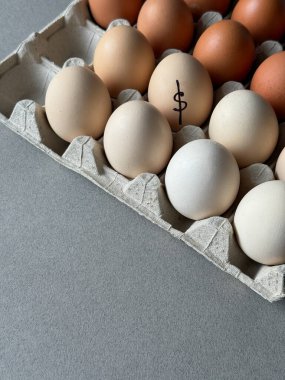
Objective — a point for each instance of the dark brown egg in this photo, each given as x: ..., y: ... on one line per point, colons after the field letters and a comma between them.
x: 227, y: 51
x: 265, y: 19
x: 269, y: 82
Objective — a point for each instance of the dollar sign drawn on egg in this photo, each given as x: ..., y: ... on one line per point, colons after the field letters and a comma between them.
x: 182, y: 105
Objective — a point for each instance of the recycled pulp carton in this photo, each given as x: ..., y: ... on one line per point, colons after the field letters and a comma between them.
x: 71, y: 40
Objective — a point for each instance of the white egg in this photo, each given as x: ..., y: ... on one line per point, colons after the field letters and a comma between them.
x: 259, y: 223
x: 280, y: 166
x: 202, y: 179
x: 245, y: 124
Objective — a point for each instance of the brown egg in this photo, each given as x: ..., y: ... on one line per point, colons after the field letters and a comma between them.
x: 124, y: 59
x: 105, y: 11
x: 227, y: 51
x: 166, y: 24
x: 265, y: 19
x: 198, y: 7
x: 269, y: 82
x: 77, y: 103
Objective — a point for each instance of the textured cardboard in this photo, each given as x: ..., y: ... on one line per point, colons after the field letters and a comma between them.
x: 71, y: 40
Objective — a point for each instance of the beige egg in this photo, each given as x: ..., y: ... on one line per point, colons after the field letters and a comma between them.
x: 77, y: 103
x: 202, y: 179
x: 259, y: 223
x: 245, y: 124
x: 181, y: 88
x: 137, y: 139
x: 280, y: 166
x: 124, y: 59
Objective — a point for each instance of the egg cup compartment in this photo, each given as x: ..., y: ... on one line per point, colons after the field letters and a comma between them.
x: 73, y: 34
x: 29, y: 120
x: 24, y: 79
x: 207, y: 19
x: 27, y: 73
x: 23, y: 76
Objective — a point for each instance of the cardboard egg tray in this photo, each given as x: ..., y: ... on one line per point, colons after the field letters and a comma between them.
x: 71, y: 40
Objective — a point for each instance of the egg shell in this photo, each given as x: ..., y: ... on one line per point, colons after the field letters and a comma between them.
x: 166, y: 24
x: 269, y: 81
x: 105, y: 11
x: 246, y: 125
x: 137, y: 139
x: 77, y: 103
x: 265, y: 19
x: 259, y: 223
x: 202, y: 179
x: 124, y: 59
x: 198, y: 7
x: 280, y: 166
x: 180, y: 82
x: 227, y: 51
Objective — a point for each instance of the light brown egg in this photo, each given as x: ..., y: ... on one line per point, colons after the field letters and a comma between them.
x: 181, y: 88
x: 269, y: 82
x: 227, y: 51
x: 166, y: 24
x: 265, y: 19
x: 137, y: 139
x: 124, y: 59
x: 198, y: 7
x: 77, y: 103
x: 105, y: 11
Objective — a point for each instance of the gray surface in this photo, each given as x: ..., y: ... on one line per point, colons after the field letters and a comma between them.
x: 91, y: 290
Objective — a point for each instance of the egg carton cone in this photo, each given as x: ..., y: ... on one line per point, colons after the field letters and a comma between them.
x: 71, y: 40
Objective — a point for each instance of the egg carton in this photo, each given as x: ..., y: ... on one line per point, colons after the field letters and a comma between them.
x: 24, y: 78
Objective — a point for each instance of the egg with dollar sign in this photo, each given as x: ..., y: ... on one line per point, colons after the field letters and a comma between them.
x: 181, y: 88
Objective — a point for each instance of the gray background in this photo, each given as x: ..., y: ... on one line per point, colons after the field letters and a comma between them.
x: 91, y: 290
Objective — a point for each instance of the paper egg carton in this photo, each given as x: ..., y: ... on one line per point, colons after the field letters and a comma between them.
x: 71, y: 39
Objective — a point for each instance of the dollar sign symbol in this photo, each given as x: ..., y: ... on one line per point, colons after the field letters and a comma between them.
x: 182, y: 105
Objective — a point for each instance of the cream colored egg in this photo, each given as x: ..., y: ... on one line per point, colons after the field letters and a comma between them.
x: 124, y: 59
x: 77, y: 103
x: 259, y: 223
x: 137, y: 139
x: 202, y: 179
x: 280, y: 166
x: 245, y: 124
x: 181, y: 88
